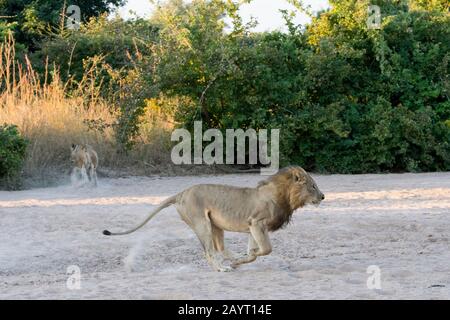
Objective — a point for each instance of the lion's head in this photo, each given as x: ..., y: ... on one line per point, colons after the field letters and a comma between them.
x: 78, y: 155
x: 303, y: 189
x: 293, y: 188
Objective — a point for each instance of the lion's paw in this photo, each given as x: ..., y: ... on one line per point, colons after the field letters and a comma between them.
x: 225, y: 269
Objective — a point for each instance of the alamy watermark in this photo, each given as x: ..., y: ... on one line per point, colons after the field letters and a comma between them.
x: 73, y: 13
x: 374, y: 280
x: 374, y: 19
x: 213, y: 153
x: 74, y: 280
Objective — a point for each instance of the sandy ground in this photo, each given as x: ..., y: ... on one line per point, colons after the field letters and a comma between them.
x: 400, y: 223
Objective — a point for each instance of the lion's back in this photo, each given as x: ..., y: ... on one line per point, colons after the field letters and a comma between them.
x: 221, y: 198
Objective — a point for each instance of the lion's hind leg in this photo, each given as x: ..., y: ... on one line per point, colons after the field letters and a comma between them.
x: 203, y: 230
x: 219, y: 244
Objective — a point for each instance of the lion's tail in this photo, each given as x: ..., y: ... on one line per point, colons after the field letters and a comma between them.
x: 166, y: 203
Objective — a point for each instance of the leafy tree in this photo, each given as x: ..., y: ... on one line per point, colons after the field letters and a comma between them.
x: 197, y: 58
x: 116, y: 40
x: 31, y: 19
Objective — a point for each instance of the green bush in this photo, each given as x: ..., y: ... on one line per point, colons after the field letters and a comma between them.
x: 12, y: 155
x: 347, y: 99
x: 119, y: 42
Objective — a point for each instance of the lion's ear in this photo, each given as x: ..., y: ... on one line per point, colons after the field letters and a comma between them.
x: 300, y: 179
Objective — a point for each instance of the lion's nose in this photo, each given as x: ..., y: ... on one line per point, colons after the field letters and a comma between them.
x: 323, y: 196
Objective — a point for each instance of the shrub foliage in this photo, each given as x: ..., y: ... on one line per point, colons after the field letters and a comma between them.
x: 12, y: 155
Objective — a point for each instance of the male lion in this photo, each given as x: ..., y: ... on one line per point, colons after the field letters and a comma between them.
x: 84, y: 159
x: 211, y: 209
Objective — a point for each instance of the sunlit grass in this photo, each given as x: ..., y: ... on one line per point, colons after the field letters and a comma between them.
x: 52, y: 119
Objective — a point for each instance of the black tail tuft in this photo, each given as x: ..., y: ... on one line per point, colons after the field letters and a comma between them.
x: 106, y: 233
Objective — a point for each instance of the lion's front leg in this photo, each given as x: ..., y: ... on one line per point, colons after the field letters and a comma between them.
x: 78, y: 176
x: 251, y: 253
x: 252, y: 246
x: 74, y: 176
x: 258, y: 244
x: 84, y: 176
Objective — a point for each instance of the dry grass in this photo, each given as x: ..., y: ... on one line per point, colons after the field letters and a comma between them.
x: 52, y: 120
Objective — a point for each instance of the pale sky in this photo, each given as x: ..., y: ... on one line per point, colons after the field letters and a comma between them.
x: 266, y: 12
